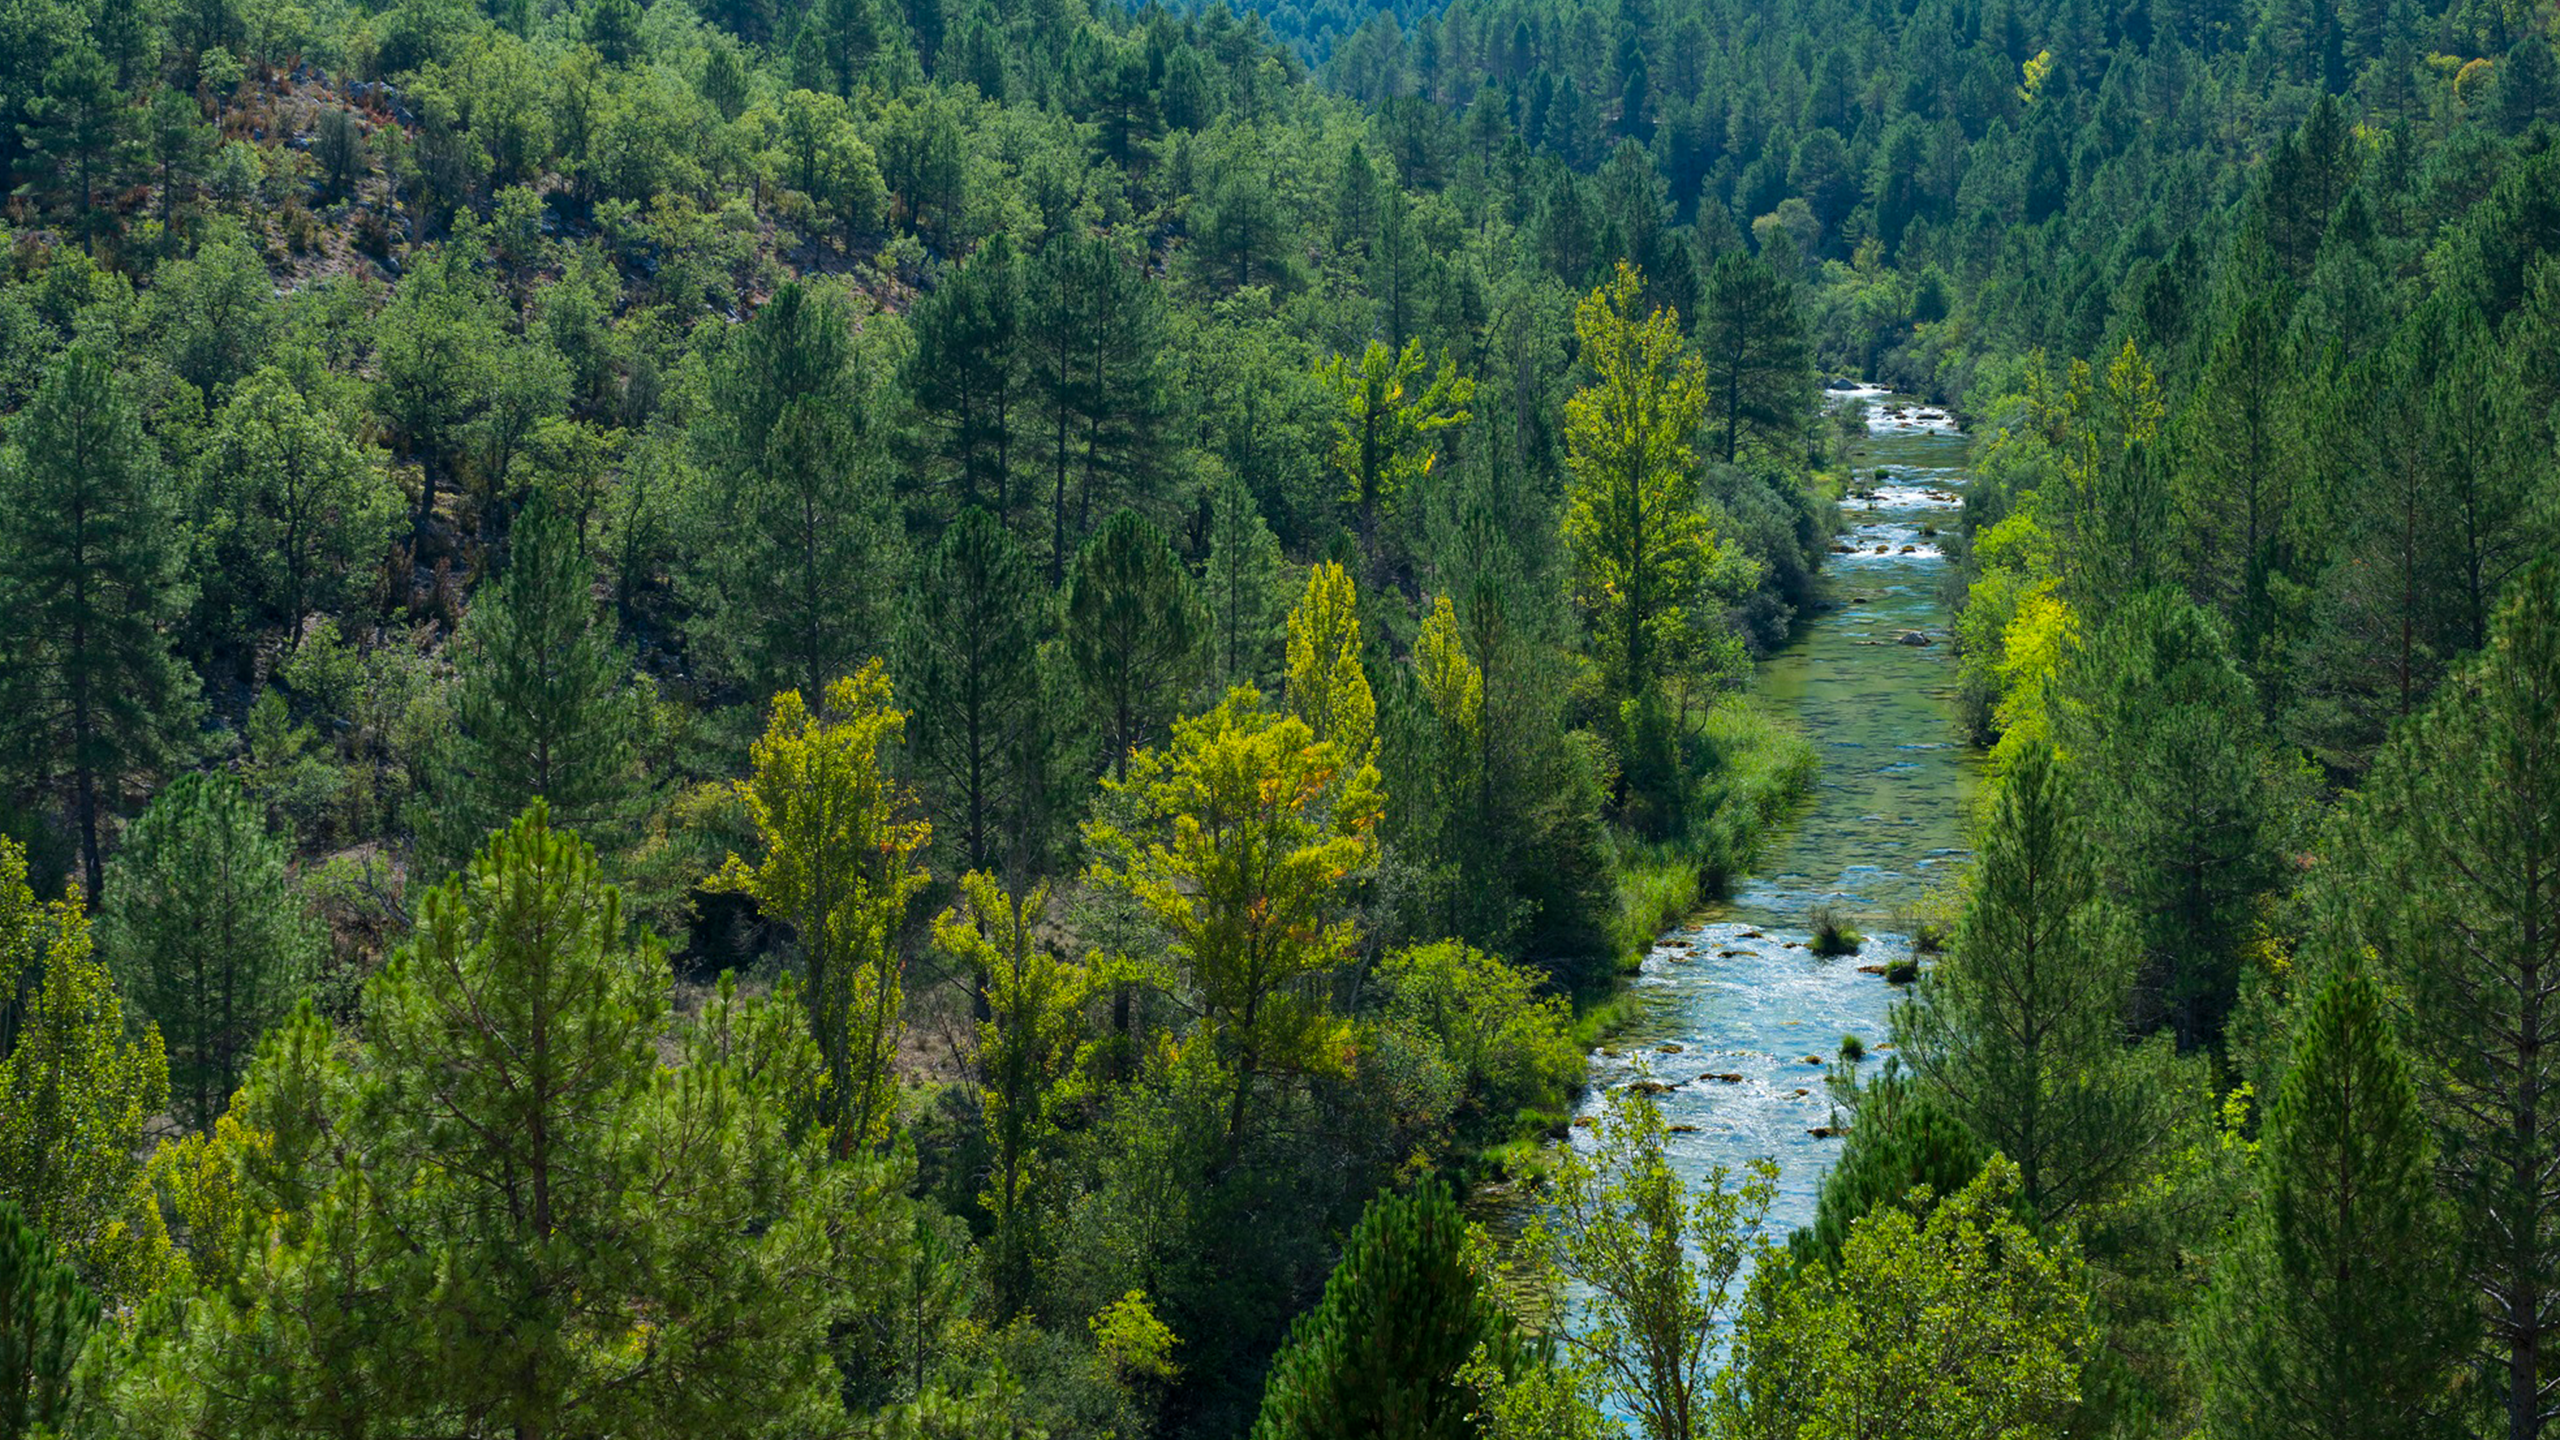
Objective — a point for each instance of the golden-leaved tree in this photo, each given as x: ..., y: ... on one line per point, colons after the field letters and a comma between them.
x: 1249, y: 829
x: 840, y: 845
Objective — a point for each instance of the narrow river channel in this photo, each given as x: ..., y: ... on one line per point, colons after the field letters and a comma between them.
x: 1755, y: 1016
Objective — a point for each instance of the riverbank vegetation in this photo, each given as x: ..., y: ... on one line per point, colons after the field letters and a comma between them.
x: 860, y: 718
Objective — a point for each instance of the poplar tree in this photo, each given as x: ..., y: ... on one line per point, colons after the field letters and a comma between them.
x: 839, y: 867
x: 1389, y: 406
x: 2336, y: 1311
x: 1134, y: 625
x: 1641, y: 543
x: 203, y: 929
x: 1327, y: 687
x: 2449, y: 862
x: 1247, y: 830
x: 971, y: 666
x: 89, y: 558
x: 543, y: 702
x: 76, y: 1093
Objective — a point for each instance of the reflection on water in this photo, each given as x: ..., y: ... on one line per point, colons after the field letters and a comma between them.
x: 1738, y: 994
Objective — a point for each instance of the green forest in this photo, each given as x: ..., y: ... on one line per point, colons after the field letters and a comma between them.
x: 965, y: 719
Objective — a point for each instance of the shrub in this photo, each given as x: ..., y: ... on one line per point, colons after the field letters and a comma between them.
x: 1832, y: 934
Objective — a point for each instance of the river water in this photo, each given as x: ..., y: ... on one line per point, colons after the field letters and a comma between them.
x: 1881, y: 840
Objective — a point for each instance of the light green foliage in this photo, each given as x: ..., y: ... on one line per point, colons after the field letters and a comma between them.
x: 839, y: 867
x: 1508, y: 1047
x: 1965, y: 1323
x: 290, y: 515
x: 206, y: 933
x: 616, y: 1244
x: 2335, y: 1312
x: 1656, y: 1261
x: 1327, y: 687
x: 75, y: 1095
x: 1247, y: 830
x: 1029, y: 1048
x: 1383, y: 428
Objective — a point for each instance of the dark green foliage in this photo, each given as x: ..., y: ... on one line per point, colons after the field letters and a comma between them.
x: 2187, y: 790
x: 542, y: 705
x: 1759, y: 375
x: 1134, y: 625
x: 89, y: 559
x: 791, y: 574
x: 1901, y: 1139
x: 967, y: 374
x: 2446, y: 874
x: 1380, y: 1353
x: 45, y: 1316
x: 206, y: 933
x: 970, y: 670
x: 2337, y: 1312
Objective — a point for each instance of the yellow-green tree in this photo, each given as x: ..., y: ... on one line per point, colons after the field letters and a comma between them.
x: 1249, y: 830
x: 1641, y: 544
x: 1327, y: 687
x: 840, y: 845
x: 1029, y: 1046
x: 75, y: 1093
x: 1391, y: 405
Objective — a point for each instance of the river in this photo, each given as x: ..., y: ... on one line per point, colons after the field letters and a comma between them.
x: 1880, y: 840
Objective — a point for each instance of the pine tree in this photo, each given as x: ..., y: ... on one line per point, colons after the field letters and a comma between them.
x: 2336, y: 1313
x: 1759, y: 373
x: 89, y: 580
x: 1902, y: 1139
x: 1402, y: 1313
x: 1097, y: 338
x: 795, y: 549
x: 1134, y: 624
x: 543, y: 704
x: 46, y: 1314
x: 2020, y: 1031
x: 971, y: 670
x: 2448, y: 876
x: 1241, y: 587
x: 76, y: 123
x: 612, y: 1240
x: 2186, y: 788
x: 967, y: 372
x: 203, y: 932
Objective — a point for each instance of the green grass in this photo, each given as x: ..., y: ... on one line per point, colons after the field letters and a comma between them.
x: 1758, y: 769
